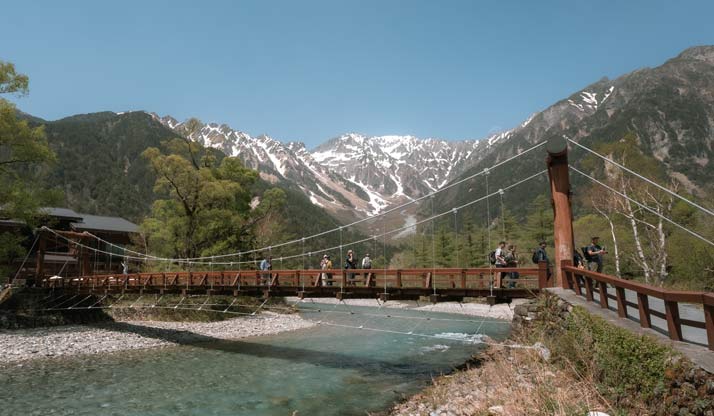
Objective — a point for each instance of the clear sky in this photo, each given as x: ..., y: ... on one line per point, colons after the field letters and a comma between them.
x: 311, y: 70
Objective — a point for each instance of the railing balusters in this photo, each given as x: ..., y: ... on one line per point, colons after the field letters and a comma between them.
x: 643, y: 305
x: 674, y: 326
x: 621, y: 302
x: 603, y: 294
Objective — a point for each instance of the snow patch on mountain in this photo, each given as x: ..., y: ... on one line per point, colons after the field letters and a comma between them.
x: 352, y: 172
x: 589, y: 101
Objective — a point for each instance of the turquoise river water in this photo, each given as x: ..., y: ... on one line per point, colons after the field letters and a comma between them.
x: 324, y: 370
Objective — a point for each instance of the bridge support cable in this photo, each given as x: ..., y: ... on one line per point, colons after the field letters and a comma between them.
x: 488, y: 231
x: 456, y: 236
x: 433, y: 247
x: 291, y: 242
x: 22, y: 265
x: 385, y: 232
x: 384, y: 252
x: 651, y: 182
x: 645, y: 207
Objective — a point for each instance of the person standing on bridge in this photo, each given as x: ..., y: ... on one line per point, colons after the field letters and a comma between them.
x: 594, y: 255
x: 125, y: 267
x: 367, y: 264
x: 351, y: 263
x: 512, y: 261
x: 501, y: 262
x: 266, y: 265
x: 540, y: 254
x: 326, y: 264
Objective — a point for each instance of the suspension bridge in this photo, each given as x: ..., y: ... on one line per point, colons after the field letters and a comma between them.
x: 88, y: 285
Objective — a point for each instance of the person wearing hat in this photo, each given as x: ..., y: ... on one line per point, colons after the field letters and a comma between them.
x: 594, y: 255
x: 326, y: 264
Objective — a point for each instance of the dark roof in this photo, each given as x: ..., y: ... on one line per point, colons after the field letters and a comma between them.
x: 61, y: 213
x: 99, y: 223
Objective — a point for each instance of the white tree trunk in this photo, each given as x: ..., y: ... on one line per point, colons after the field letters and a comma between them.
x: 646, y: 270
x: 614, y: 239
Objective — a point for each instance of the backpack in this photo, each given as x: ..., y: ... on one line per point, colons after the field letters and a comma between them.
x: 492, y: 257
x: 535, y: 257
x: 586, y: 253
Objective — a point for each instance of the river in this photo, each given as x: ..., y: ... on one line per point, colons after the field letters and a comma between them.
x: 324, y: 370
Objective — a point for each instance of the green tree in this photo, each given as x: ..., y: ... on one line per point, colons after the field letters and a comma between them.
x: 23, y: 152
x: 539, y: 220
x: 206, y: 209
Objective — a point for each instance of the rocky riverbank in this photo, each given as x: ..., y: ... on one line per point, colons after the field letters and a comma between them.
x: 26, y: 344
x: 499, y: 311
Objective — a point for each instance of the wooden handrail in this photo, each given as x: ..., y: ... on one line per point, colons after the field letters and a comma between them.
x: 671, y: 299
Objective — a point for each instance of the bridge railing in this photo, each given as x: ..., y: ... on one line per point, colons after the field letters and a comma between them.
x: 439, y: 278
x: 586, y: 283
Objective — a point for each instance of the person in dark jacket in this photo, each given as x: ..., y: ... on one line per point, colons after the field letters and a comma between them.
x: 351, y: 263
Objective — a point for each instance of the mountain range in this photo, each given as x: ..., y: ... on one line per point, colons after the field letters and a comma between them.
x: 669, y: 108
x: 351, y: 175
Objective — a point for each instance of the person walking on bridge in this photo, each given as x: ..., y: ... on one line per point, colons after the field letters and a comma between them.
x: 540, y: 254
x: 501, y: 262
x: 367, y: 264
x: 266, y: 265
x: 593, y: 255
x: 326, y: 264
x: 512, y: 261
x: 351, y: 263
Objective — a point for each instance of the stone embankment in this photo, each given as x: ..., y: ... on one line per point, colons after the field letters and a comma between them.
x: 26, y: 344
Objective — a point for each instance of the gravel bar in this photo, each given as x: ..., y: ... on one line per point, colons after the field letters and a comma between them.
x: 27, y: 344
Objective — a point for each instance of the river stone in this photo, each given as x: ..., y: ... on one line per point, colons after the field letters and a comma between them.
x: 496, y: 410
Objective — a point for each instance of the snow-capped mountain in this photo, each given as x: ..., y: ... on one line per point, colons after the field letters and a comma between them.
x: 350, y: 174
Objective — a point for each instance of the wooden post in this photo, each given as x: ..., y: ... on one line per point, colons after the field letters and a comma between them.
x: 643, y: 305
x: 588, y: 288
x: 557, y: 162
x: 708, y: 301
x: 542, y: 275
x: 603, y: 294
x: 674, y: 326
x: 621, y: 302
x: 40, y: 265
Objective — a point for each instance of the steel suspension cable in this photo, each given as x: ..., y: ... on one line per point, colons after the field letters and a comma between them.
x: 385, y: 233
x: 655, y: 184
x: 645, y: 207
x: 399, y: 207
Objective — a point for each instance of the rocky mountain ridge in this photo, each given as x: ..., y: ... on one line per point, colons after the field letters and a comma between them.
x: 351, y: 175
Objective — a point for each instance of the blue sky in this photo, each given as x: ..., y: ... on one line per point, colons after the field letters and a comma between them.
x: 311, y: 70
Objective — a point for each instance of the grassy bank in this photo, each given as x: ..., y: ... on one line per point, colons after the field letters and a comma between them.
x: 591, y: 365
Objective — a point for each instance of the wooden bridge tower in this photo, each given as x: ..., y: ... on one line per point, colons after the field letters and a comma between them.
x: 558, y: 173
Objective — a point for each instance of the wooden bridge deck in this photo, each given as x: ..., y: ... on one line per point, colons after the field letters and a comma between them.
x: 439, y: 284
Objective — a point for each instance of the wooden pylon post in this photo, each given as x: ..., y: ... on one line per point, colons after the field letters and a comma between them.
x: 557, y: 161
x: 40, y: 258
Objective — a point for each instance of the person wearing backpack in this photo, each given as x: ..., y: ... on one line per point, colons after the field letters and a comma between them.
x: 540, y: 254
x: 512, y: 261
x: 500, y: 261
x: 593, y: 254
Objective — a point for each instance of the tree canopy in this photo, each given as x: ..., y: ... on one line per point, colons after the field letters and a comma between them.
x: 207, y: 206
x: 23, y: 152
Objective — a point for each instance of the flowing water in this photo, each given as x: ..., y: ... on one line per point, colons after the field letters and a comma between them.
x: 324, y: 370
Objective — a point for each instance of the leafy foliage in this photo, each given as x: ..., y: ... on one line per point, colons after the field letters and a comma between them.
x: 205, y: 209
x: 23, y: 154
